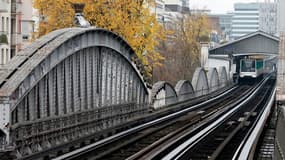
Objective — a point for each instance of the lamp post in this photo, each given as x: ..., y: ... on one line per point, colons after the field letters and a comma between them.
x: 79, y: 19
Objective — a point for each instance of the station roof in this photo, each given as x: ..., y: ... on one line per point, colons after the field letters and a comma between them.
x: 255, y: 43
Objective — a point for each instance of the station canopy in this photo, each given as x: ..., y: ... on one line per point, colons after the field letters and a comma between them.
x: 256, y: 43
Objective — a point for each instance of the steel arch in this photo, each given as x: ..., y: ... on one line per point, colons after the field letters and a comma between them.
x: 213, y: 79
x: 66, y: 77
x: 184, y: 90
x: 200, y: 82
x: 163, y: 93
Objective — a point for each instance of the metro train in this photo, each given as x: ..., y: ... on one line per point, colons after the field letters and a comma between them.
x: 251, y: 68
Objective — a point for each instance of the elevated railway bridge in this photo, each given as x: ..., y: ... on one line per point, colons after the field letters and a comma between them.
x: 81, y: 93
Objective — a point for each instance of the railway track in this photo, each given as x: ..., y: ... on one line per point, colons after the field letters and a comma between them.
x: 133, y: 141
x: 224, y: 137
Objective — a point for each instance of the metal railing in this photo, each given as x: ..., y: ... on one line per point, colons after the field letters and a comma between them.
x: 3, y: 143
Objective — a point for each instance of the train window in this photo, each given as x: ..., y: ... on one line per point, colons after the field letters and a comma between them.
x: 248, y: 65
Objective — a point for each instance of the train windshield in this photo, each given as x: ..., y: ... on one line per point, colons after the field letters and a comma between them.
x: 248, y: 65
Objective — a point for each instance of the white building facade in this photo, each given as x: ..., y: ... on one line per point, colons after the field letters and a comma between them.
x: 177, y: 6
x: 245, y: 19
x: 280, y: 15
x: 226, y: 25
x: 250, y: 17
x: 167, y: 10
x: 17, y: 24
x: 268, y: 17
x: 173, y: 10
x: 27, y: 22
x: 158, y: 9
x: 5, y: 31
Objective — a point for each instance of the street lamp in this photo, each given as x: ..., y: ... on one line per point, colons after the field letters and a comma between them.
x: 79, y: 19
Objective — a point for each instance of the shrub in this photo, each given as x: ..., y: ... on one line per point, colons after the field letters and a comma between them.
x: 3, y: 39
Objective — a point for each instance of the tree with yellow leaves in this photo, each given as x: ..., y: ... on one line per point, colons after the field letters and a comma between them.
x: 128, y: 18
x: 182, y: 49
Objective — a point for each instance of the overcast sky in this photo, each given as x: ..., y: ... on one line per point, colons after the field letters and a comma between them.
x: 217, y: 6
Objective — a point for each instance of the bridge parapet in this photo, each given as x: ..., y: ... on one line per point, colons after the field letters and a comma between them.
x: 213, y: 79
x: 200, y: 82
x: 223, y: 76
x: 163, y: 94
x: 184, y: 90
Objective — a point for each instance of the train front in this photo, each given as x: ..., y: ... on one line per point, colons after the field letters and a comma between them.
x: 251, y: 68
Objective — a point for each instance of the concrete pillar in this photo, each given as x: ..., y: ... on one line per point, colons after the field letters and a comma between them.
x: 204, y: 55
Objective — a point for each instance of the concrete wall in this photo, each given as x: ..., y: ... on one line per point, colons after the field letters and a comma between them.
x: 204, y: 54
x: 164, y: 94
x: 216, y: 63
x: 184, y: 90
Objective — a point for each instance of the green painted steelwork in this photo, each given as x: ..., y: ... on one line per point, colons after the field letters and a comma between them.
x: 259, y: 64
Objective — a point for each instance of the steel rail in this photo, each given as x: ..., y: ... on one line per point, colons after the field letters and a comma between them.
x: 179, y: 151
x: 147, y: 138
x: 164, y: 145
x: 249, y: 114
x: 247, y: 148
x: 167, y: 143
x: 77, y: 153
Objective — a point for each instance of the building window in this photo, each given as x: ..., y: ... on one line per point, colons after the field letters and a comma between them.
x: 13, y: 52
x: 2, y: 56
x: 25, y: 37
x: 2, y: 24
x: 7, y: 24
x: 7, y: 56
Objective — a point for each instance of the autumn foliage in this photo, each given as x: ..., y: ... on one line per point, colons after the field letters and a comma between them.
x: 129, y: 18
x: 182, y: 49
